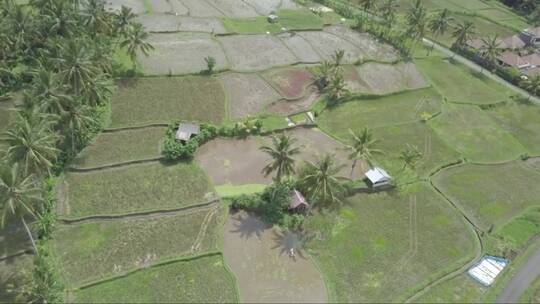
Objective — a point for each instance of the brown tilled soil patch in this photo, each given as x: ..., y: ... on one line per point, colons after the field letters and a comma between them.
x: 259, y: 257
x: 288, y: 107
x: 291, y: 82
x: 247, y: 94
x: 239, y: 161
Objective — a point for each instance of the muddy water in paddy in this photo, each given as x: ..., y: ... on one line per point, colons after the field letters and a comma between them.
x: 258, y: 255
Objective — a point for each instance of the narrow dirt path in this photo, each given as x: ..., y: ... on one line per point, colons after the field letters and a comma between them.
x: 523, y: 278
x: 259, y: 256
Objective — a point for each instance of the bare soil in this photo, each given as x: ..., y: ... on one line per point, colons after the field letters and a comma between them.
x: 387, y: 78
x: 259, y: 257
x: 300, y: 47
x: 233, y: 8
x: 162, y: 23
x: 239, y: 161
x: 264, y: 7
x: 136, y: 6
x: 247, y: 94
x: 369, y: 47
x: 326, y: 44
x: 169, y: 6
x: 288, y: 107
x: 200, y: 8
x: 182, y: 53
x: 256, y: 52
x: 290, y: 82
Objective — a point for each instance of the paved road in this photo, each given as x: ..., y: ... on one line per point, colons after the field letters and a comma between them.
x: 523, y: 278
x: 479, y: 69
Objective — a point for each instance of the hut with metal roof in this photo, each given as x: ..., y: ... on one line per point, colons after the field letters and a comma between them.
x: 186, y: 131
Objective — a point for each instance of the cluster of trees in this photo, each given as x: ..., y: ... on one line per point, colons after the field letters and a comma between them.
x: 529, y: 8
x: 57, y: 55
x: 329, y: 79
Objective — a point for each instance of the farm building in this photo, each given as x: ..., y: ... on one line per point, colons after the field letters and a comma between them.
x: 298, y: 201
x: 186, y: 131
x: 377, y: 178
x: 485, y: 271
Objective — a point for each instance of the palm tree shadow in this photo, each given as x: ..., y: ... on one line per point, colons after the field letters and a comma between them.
x: 287, y: 240
x: 248, y: 225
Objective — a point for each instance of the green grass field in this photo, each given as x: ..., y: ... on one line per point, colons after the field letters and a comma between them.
x: 381, y: 247
x: 473, y: 133
x: 118, y: 147
x: 491, y: 194
x: 137, y: 188
x: 99, y: 250
x: 522, y: 121
x: 378, y: 112
x: 289, y: 19
x: 394, y: 139
x: 144, y: 101
x: 200, y: 280
x: 520, y: 230
x: 461, y: 289
x: 457, y: 83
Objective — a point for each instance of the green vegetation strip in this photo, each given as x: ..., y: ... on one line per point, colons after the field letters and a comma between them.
x: 472, y: 132
x: 203, y: 279
x: 235, y: 190
x: 288, y: 19
x: 118, y: 147
x: 134, y: 189
x: 491, y: 194
x: 143, y: 101
x: 379, y: 111
x: 381, y: 247
x: 97, y: 251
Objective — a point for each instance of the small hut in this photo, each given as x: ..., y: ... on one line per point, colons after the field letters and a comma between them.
x: 272, y: 18
x: 377, y: 178
x: 298, y: 201
x: 186, y: 131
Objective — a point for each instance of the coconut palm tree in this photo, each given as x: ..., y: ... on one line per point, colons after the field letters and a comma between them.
x: 76, y: 122
x: 491, y: 49
x: 32, y: 143
x: 410, y: 157
x: 321, y: 180
x: 463, y: 33
x: 76, y: 66
x: 281, y: 152
x: 439, y: 24
x: 123, y: 20
x: 532, y: 85
x: 136, y: 41
x: 19, y: 196
x: 322, y: 74
x: 337, y: 88
x: 96, y: 18
x: 388, y: 12
x: 416, y: 21
x: 362, y: 147
x: 338, y: 58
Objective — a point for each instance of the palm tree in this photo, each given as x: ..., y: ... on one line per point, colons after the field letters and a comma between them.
x: 76, y: 122
x: 491, y: 49
x: 532, y: 85
x: 76, y: 65
x: 123, y: 20
x: 96, y: 17
x: 136, y: 41
x: 281, y: 152
x: 388, y: 12
x: 338, y: 58
x: 463, y: 33
x: 337, y: 88
x: 416, y: 21
x: 32, y: 143
x: 19, y: 195
x: 410, y: 157
x: 320, y: 180
x: 439, y: 24
x: 362, y: 147
x: 322, y: 74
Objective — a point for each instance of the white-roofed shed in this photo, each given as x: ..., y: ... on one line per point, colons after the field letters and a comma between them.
x: 485, y: 271
x: 378, y: 177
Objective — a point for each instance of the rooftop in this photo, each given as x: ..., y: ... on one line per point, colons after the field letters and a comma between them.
x: 186, y: 130
x: 377, y: 175
x: 298, y: 200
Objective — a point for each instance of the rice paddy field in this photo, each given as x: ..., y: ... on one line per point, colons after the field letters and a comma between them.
x: 180, y: 281
x: 117, y: 147
x: 144, y: 101
x: 133, y: 189
x: 483, y: 191
x: 95, y: 251
x: 14, y: 273
x: 288, y: 19
x: 422, y: 237
x: 473, y: 133
x: 458, y: 84
x: 381, y: 111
